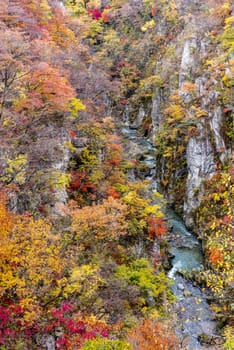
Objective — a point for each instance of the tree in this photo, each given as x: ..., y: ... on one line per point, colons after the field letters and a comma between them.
x: 47, y: 93
x: 106, y: 344
x: 152, y: 334
x: 14, y: 57
x: 102, y: 222
x: 140, y: 207
x: 31, y: 265
x: 215, y: 222
x: 142, y: 274
x: 156, y: 227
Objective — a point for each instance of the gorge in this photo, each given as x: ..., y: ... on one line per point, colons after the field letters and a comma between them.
x: 116, y: 174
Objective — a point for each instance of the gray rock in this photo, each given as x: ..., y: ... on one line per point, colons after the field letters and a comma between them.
x: 139, y: 119
x: 208, y: 327
x: 180, y: 286
x: 216, y: 125
x: 47, y: 342
x: 187, y: 60
x: 156, y: 114
x: 201, y: 165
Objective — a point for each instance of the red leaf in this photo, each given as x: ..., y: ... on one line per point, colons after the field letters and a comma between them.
x: 72, y: 133
x: 96, y: 13
x: 123, y: 102
x: 154, y: 10
x: 112, y: 192
x: 226, y: 110
x: 66, y: 306
x: 156, y: 227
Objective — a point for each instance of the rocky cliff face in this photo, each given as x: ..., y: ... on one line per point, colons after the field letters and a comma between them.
x: 195, y: 95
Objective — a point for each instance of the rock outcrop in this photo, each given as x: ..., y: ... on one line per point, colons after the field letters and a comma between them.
x: 183, y: 68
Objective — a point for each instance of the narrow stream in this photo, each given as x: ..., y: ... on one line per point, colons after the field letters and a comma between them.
x: 195, y: 321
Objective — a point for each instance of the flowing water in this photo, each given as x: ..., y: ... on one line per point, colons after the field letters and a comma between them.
x: 195, y: 321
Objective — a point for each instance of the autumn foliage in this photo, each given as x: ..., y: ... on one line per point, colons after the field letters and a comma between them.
x: 100, y: 222
x: 76, y: 225
x: 156, y: 227
x: 216, y: 223
x: 34, y: 284
x: 151, y: 335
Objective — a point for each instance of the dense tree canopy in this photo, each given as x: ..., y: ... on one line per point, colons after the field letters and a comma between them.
x: 78, y: 219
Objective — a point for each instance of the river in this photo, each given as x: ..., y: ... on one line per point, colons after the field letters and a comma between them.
x: 194, y: 319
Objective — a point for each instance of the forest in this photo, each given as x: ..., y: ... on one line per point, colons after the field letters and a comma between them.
x: 116, y: 174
